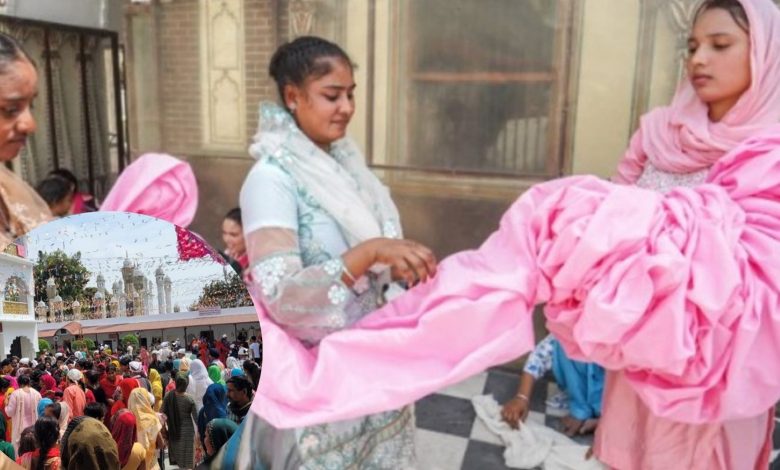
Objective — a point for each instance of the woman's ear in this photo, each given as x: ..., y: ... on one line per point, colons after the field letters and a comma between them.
x: 292, y: 95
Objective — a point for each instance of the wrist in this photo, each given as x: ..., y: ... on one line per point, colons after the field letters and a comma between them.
x: 372, y: 247
x: 523, y: 397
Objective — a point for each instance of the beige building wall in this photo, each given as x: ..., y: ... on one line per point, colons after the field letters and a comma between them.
x: 606, y: 84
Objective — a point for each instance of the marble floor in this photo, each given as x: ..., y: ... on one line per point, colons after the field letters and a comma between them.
x: 449, y: 435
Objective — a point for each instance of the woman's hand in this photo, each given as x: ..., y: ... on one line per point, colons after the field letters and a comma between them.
x: 515, y: 410
x: 408, y: 260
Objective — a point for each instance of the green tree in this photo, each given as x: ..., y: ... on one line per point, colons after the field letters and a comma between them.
x: 43, y: 345
x: 230, y: 292
x: 130, y: 339
x: 89, y: 294
x: 69, y: 273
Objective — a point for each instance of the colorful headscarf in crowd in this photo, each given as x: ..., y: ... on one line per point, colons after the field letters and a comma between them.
x: 87, y: 445
x: 216, y: 375
x: 42, y: 405
x: 124, y: 431
x: 214, y: 406
x: 148, y: 423
x: 219, y: 432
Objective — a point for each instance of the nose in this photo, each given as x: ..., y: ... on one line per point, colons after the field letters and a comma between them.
x: 699, y: 57
x: 26, y: 122
x: 347, y: 105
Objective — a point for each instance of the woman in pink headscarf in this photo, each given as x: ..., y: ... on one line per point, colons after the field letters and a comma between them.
x: 48, y: 386
x: 669, y: 280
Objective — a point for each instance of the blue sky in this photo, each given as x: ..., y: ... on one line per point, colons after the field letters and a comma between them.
x: 106, y: 238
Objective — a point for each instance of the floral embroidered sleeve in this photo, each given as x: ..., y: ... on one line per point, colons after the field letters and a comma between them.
x: 541, y: 358
x: 309, y: 301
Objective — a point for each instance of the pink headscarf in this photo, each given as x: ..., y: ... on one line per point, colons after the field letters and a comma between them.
x: 12, y: 380
x: 48, y: 383
x: 158, y: 185
x: 680, y: 138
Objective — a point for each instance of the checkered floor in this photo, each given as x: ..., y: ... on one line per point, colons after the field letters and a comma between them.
x: 450, y: 437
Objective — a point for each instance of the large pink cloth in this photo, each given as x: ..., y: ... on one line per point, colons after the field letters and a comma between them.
x: 157, y: 185
x: 679, y: 291
x: 680, y: 138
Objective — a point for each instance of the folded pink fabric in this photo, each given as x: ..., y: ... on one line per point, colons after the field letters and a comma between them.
x: 157, y: 185
x: 679, y: 290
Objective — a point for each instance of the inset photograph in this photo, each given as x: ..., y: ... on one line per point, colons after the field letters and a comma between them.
x: 132, y: 321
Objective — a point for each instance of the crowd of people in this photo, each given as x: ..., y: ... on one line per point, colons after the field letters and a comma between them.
x: 100, y: 410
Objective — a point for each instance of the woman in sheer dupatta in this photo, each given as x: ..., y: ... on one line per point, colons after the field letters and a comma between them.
x: 315, y: 220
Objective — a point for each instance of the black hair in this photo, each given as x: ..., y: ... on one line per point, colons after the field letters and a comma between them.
x: 93, y: 377
x: 125, y: 360
x: 253, y: 371
x: 305, y: 57
x: 47, y: 432
x: 35, y: 379
x: 181, y: 383
x: 4, y: 383
x: 66, y: 175
x: 733, y: 7
x: 242, y: 383
x: 95, y: 410
x: 56, y: 408
x: 27, y: 442
x: 234, y: 214
x: 111, y: 368
x: 23, y: 380
x: 213, y: 353
x: 11, y: 51
x: 54, y: 189
x: 6, y: 361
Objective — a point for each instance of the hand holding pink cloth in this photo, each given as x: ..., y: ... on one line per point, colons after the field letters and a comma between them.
x: 157, y: 185
x: 681, y: 291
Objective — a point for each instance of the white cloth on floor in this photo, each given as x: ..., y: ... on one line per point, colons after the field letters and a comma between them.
x: 533, y: 445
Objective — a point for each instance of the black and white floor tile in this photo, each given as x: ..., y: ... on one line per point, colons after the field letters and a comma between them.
x: 450, y: 437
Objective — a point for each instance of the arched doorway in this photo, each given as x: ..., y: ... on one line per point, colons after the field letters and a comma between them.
x: 16, y: 347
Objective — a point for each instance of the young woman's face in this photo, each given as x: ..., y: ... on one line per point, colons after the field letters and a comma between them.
x: 719, y: 61
x: 324, y: 106
x: 233, y: 237
x: 18, y: 88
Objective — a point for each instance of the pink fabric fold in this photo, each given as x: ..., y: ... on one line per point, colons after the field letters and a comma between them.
x: 157, y: 185
x: 680, y: 291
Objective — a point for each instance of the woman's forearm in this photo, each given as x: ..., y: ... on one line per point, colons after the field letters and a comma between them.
x: 526, y: 385
x: 358, y: 260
